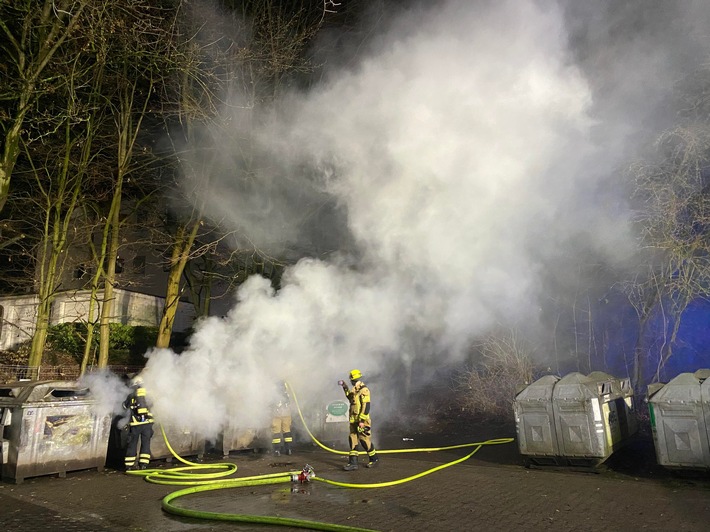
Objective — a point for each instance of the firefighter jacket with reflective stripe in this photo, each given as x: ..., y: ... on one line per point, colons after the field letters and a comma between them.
x: 138, y: 405
x: 359, y: 398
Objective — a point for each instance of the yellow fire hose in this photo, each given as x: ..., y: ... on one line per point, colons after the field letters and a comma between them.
x: 193, y: 475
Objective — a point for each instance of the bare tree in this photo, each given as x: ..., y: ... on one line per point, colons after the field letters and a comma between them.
x: 33, y: 37
x: 488, y: 387
x: 210, y: 64
x: 672, y: 195
x: 136, y: 58
x: 59, y: 187
x: 58, y: 151
x: 199, y: 67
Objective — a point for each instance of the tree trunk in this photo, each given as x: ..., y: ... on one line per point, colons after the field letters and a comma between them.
x: 40, y: 336
x: 207, y: 299
x: 637, y: 379
x: 180, y: 255
x: 110, y: 275
x: 172, y: 298
x: 46, y: 296
x: 90, y: 329
x: 666, y: 351
x: 9, y: 157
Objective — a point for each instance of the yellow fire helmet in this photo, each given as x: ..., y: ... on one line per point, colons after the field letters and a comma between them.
x: 355, y: 375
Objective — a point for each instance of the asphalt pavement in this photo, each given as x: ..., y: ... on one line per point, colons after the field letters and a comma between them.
x: 492, y: 491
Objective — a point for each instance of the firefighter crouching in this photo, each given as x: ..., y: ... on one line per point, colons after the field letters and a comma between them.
x: 140, y: 426
x: 360, y: 424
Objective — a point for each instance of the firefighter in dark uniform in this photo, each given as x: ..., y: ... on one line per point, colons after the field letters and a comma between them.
x: 281, y: 422
x: 140, y: 427
x: 360, y: 424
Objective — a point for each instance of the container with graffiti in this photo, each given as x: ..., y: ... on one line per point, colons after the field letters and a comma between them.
x: 50, y: 427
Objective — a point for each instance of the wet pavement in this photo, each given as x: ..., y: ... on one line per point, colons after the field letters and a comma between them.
x: 491, y: 491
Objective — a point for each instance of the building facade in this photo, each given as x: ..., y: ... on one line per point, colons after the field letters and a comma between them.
x: 18, y: 313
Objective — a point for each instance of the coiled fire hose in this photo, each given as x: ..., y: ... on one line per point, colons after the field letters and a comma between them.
x: 192, y: 475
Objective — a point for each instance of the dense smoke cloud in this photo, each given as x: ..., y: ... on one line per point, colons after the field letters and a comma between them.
x: 466, y: 152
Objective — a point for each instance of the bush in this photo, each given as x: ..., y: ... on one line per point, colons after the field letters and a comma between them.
x: 65, y: 345
x: 15, y: 357
x: 65, y: 337
x: 127, y: 343
x: 488, y: 389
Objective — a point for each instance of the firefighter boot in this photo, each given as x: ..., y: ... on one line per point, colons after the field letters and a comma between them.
x: 374, y: 459
x: 352, y: 464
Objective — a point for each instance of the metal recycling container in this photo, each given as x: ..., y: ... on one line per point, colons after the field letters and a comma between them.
x: 535, y: 420
x: 333, y: 424
x: 577, y: 420
x: 50, y: 427
x: 680, y: 420
x: 239, y: 439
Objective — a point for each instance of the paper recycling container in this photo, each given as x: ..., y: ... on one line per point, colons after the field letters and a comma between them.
x: 576, y: 420
x: 680, y: 420
x: 326, y: 419
x: 50, y: 427
x: 182, y: 441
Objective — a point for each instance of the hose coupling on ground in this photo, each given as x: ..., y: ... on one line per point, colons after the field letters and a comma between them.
x: 304, y: 476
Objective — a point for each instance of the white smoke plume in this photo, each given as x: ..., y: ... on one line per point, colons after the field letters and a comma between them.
x: 460, y: 150
x: 107, y: 393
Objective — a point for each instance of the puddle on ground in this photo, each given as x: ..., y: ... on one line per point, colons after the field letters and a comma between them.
x: 286, y: 500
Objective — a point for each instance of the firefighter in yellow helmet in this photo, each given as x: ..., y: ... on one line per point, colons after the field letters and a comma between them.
x: 360, y: 424
x: 140, y: 426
